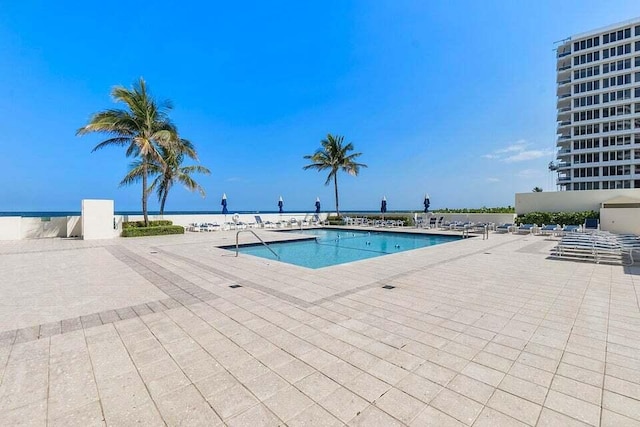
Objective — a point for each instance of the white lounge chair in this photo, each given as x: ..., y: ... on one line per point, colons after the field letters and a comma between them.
x: 507, y: 227
x: 526, y: 229
x: 550, y: 229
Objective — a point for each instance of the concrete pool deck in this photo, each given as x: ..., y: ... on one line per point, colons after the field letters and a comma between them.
x: 475, y: 332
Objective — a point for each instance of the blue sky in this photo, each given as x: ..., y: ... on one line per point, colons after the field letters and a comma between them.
x: 454, y: 98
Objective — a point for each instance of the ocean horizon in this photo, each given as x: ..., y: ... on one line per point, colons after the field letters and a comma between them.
x: 52, y: 214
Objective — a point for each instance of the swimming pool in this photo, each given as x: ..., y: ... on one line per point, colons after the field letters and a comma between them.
x: 339, y: 246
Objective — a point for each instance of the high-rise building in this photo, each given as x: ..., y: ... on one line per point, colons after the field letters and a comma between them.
x: 599, y: 109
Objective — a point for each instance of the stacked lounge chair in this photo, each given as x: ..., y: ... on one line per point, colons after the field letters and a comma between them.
x: 598, y: 247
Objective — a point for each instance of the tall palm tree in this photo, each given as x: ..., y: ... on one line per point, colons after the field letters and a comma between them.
x: 170, y: 171
x: 143, y: 128
x: 333, y: 156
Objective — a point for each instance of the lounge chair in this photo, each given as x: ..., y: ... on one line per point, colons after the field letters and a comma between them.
x: 599, y: 247
x: 507, y: 227
x: 263, y: 224
x: 461, y: 225
x: 591, y: 224
x: 526, y: 229
x: 550, y: 229
x: 570, y: 229
x: 213, y: 226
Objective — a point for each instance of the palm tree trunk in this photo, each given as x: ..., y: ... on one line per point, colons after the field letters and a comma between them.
x: 163, y: 201
x: 144, y: 195
x: 335, y: 184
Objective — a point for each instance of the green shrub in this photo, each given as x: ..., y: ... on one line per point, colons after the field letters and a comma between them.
x: 152, y: 231
x: 562, y: 218
x: 138, y: 224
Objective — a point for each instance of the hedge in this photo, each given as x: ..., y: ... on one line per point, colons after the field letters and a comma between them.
x: 152, y: 231
x: 562, y: 218
x: 139, y: 224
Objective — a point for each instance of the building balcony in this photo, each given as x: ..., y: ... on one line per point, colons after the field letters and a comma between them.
x: 563, y: 54
x: 564, y: 137
x: 564, y: 152
x: 564, y: 165
x: 564, y: 178
x: 564, y: 123
x: 564, y: 67
x: 564, y: 95
x: 564, y: 82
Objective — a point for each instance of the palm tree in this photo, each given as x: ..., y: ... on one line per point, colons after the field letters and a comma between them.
x: 334, y: 157
x: 144, y: 127
x: 170, y: 171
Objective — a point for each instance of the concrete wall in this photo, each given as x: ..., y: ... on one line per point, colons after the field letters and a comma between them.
x: 74, y: 226
x: 97, y: 219
x: 37, y: 228
x: 569, y: 201
x: 10, y: 227
x: 620, y: 220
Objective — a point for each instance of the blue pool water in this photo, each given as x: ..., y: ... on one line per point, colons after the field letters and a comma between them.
x: 332, y: 247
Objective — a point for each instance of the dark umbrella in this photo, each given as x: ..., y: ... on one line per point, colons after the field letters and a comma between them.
x: 224, y: 204
x: 383, y: 206
x: 317, y: 205
x: 427, y: 203
x: 280, y: 204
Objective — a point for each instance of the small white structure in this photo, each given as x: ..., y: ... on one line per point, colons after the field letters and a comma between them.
x: 97, y: 219
x: 621, y: 215
x: 569, y: 201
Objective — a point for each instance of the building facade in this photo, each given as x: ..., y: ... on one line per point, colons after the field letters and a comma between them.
x: 598, y: 92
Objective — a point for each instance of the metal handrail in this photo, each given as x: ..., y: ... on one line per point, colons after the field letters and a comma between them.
x: 257, y: 237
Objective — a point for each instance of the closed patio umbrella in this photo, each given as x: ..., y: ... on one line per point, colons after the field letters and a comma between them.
x: 224, y: 204
x: 280, y: 204
x: 383, y: 206
x: 317, y: 205
x: 427, y: 203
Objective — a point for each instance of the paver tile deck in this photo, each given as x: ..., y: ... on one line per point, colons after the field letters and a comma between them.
x: 474, y: 332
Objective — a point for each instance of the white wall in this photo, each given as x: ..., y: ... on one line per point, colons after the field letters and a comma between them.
x: 10, y: 227
x: 97, y: 219
x: 37, y: 228
x: 569, y: 201
x: 74, y: 226
x: 620, y: 220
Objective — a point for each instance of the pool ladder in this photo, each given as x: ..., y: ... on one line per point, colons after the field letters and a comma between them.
x: 257, y: 237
